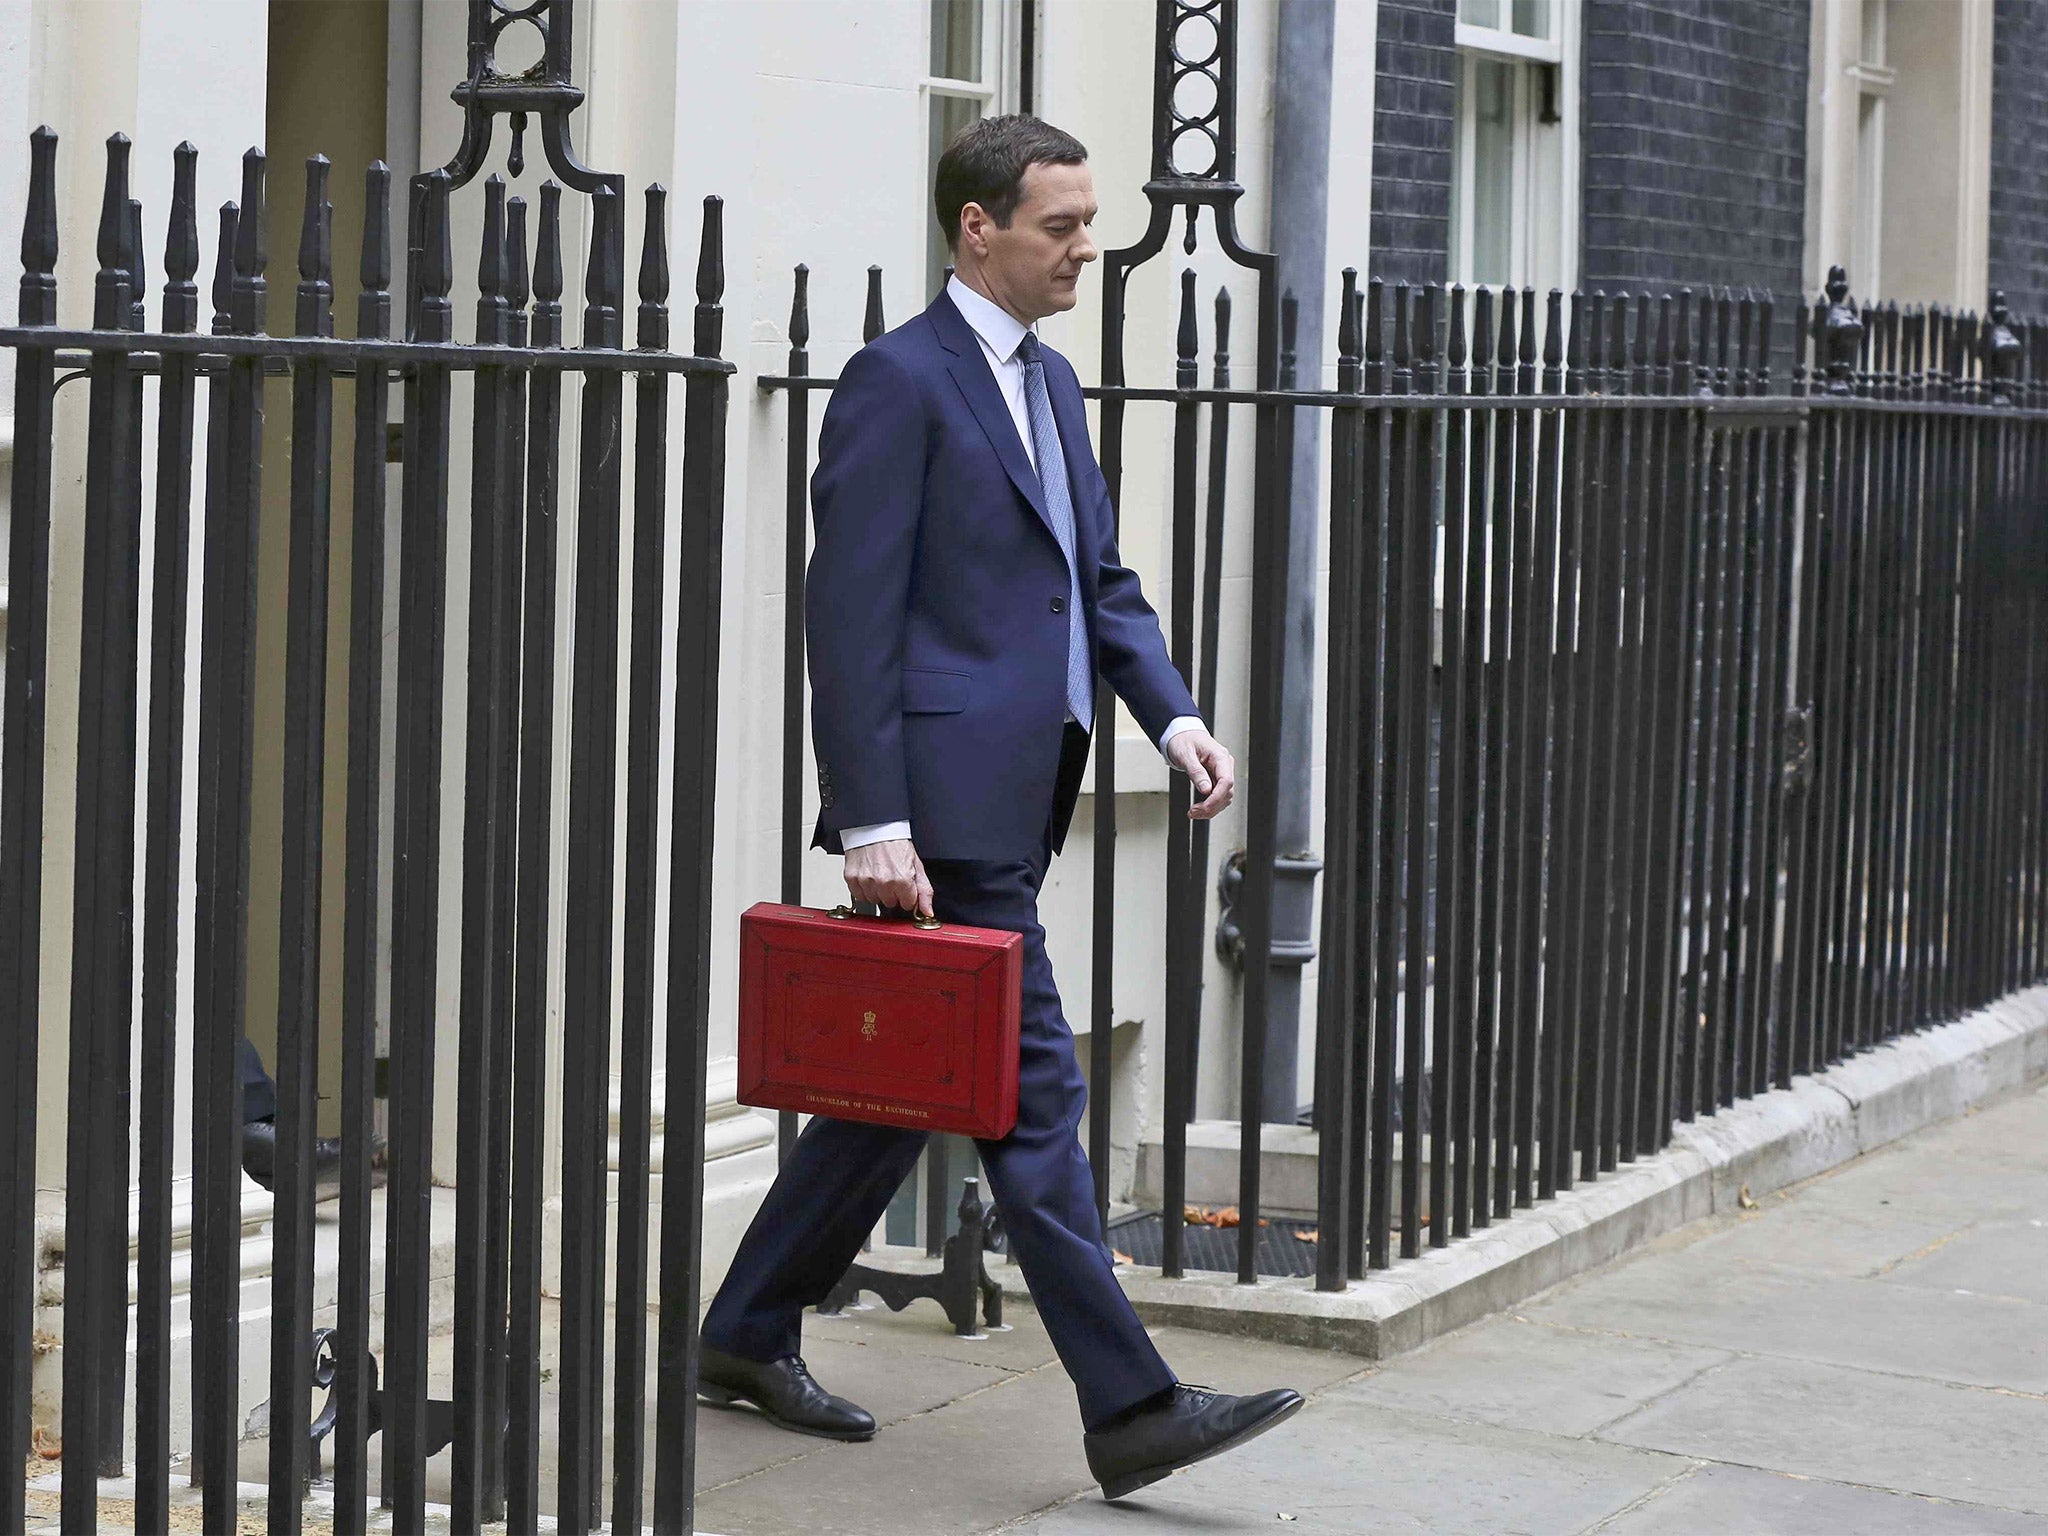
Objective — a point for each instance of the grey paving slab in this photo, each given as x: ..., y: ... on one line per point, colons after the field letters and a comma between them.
x: 1853, y: 1426
x: 2005, y: 1258
x: 1351, y: 1466
x: 889, y: 1384
x: 1741, y: 1501
x: 921, y: 1329
x: 1531, y: 1376
x: 1845, y: 1242
x: 1984, y: 1340
x: 2011, y: 1131
x: 1905, y: 1179
x: 1004, y: 1452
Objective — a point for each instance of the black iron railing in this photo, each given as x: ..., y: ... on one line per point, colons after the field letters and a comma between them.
x: 1685, y: 725
x: 523, y: 374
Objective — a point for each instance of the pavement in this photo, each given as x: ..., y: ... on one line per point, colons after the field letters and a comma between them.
x: 1865, y: 1353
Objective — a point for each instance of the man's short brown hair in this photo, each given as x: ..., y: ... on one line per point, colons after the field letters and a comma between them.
x: 986, y: 163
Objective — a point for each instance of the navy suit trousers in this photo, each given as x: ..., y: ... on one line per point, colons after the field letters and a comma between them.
x: 841, y: 1176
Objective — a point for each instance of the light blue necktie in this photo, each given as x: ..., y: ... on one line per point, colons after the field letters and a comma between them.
x: 1059, y: 506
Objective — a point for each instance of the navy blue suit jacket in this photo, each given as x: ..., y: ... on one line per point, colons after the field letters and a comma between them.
x: 935, y: 612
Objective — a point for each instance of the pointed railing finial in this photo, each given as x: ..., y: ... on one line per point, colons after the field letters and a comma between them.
x: 116, y: 236
x: 114, y: 228
x: 710, y: 328
x: 315, y: 296
x: 433, y: 274
x: 490, y: 266
x: 547, y: 268
x: 39, y: 231
x: 1348, y: 328
x: 1403, y: 352
x: 871, y: 323
x: 1763, y: 342
x: 1375, y: 335
x: 518, y: 275
x: 223, y: 290
x: 654, y: 276
x: 1220, y: 358
x: 1660, y: 352
x: 252, y: 248
x: 373, y: 270
x: 799, y: 318
x: 1187, y: 339
x: 600, y: 315
x: 1454, y: 354
x: 1347, y: 317
x: 181, y: 243
x: 138, y: 274
x: 547, y: 254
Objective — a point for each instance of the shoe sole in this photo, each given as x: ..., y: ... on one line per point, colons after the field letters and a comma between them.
x: 1129, y: 1484
x: 719, y: 1397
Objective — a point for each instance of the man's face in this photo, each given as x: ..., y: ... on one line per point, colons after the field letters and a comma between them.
x: 1033, y: 268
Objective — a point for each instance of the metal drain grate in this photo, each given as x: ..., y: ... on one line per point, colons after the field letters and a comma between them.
x: 1286, y: 1246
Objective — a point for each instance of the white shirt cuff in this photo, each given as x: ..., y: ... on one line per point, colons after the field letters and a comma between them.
x: 874, y: 832
x: 1176, y: 725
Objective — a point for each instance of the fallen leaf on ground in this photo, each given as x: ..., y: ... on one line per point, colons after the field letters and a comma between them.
x: 1202, y: 1216
x: 48, y: 1446
x: 1121, y: 1257
x: 1306, y: 1235
x: 1745, y: 1199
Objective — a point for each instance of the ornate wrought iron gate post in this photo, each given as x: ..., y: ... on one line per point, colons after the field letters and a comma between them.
x: 515, y: 567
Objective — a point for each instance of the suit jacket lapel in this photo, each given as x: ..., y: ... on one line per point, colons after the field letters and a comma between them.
x: 970, y: 372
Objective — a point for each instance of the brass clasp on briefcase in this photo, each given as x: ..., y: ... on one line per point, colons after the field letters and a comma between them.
x: 917, y: 918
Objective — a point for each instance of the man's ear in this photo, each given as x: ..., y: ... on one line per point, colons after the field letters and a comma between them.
x: 973, y: 220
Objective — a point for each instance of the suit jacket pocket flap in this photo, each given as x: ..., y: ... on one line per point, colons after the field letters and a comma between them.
x: 933, y: 691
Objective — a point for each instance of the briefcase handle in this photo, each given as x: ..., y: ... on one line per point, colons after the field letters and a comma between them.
x: 843, y: 911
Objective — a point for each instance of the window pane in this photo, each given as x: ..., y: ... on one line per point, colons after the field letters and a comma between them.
x: 1479, y: 13
x: 949, y: 115
x: 1532, y: 18
x: 956, y: 39
x: 1493, y: 168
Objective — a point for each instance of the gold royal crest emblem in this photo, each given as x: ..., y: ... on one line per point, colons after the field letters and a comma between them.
x: 867, y: 1024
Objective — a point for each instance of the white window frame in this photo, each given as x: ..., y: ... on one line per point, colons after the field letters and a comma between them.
x: 1874, y: 76
x: 995, y: 92
x: 1543, y: 252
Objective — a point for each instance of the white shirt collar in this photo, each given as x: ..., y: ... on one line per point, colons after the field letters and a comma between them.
x: 997, y: 327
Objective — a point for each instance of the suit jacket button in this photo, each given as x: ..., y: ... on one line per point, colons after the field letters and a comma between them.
x: 1059, y: 605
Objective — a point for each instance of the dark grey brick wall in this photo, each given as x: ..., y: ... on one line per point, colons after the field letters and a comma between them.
x: 1693, y: 144
x: 2019, y: 154
x: 1411, y: 153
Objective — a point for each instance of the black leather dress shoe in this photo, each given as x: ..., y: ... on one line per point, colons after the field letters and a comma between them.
x: 786, y: 1394
x: 259, y: 1158
x: 1192, y: 1425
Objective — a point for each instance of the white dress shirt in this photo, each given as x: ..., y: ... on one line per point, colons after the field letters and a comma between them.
x: 999, y: 333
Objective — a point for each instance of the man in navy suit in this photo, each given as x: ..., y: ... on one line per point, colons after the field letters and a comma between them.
x: 964, y: 593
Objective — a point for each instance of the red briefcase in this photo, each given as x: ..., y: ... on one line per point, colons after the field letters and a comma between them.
x: 880, y: 1019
